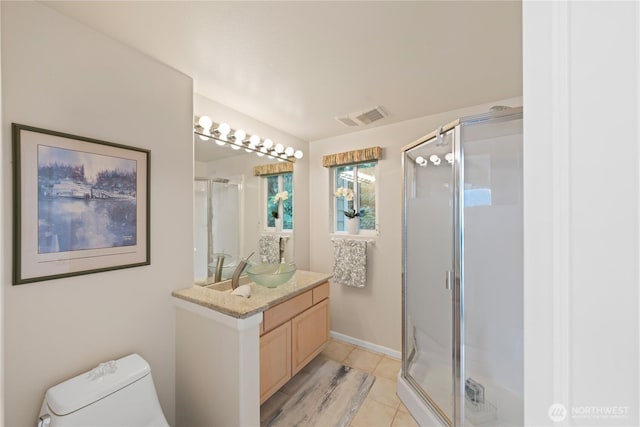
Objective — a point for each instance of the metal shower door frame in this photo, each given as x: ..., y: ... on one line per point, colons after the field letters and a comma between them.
x: 454, y: 274
x: 457, y: 294
x: 457, y: 291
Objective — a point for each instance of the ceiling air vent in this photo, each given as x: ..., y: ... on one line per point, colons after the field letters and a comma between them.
x: 371, y: 116
x: 346, y: 121
x: 363, y: 118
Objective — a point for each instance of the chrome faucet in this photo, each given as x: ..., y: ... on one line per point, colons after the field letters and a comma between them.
x: 235, y: 279
x: 219, y: 265
x: 282, y: 249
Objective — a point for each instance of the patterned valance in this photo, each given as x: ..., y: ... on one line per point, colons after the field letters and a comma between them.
x: 273, y: 168
x: 355, y: 156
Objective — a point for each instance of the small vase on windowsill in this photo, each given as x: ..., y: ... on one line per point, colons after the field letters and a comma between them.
x: 277, y: 220
x: 353, y: 225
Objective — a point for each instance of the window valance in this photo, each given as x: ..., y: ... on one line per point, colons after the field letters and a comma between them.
x: 272, y: 168
x: 355, y: 156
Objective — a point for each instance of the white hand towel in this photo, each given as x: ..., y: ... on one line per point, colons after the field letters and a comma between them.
x: 242, y: 291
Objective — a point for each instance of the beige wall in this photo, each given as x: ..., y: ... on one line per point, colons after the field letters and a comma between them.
x: 60, y: 75
x: 372, y: 314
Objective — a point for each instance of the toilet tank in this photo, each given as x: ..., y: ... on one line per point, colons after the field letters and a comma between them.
x: 116, y: 393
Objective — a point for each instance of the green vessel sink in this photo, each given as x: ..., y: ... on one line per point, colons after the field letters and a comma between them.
x: 271, y: 275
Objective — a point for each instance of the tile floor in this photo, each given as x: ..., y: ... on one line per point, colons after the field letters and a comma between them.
x: 381, y: 408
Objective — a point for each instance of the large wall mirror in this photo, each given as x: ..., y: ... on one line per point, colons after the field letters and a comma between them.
x: 234, y: 208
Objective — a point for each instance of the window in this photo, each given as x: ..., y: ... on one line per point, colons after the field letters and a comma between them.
x: 364, y: 194
x: 278, y: 211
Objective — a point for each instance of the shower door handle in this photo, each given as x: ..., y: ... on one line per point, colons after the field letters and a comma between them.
x: 449, y: 280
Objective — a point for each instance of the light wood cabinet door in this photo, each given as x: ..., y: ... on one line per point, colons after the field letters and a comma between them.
x: 275, y: 360
x: 309, y: 334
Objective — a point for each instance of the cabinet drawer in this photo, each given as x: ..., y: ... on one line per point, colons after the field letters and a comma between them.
x: 282, y: 312
x: 320, y: 292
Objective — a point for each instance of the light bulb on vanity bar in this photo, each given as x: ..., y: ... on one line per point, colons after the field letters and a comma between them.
x: 223, y: 129
x: 205, y: 123
x: 254, y: 141
x: 239, y: 135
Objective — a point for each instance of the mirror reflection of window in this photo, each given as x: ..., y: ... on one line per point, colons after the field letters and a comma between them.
x: 278, y: 209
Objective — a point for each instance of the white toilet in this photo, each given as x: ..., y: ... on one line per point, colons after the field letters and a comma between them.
x: 115, y: 393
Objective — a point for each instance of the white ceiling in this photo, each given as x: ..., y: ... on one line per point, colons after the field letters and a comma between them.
x: 298, y: 65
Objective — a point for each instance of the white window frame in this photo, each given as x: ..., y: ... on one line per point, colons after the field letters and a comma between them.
x: 265, y: 204
x: 356, y: 197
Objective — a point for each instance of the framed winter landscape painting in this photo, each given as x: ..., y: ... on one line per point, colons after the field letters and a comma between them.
x: 80, y: 205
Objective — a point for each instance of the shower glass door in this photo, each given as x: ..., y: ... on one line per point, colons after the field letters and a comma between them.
x: 429, y: 266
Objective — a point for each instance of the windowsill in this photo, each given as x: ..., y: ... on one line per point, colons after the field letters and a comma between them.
x: 274, y: 231
x: 363, y: 235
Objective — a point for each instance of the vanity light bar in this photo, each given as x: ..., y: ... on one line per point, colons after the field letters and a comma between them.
x: 223, y: 134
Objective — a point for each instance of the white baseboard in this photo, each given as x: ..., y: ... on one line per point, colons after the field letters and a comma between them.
x: 365, y: 344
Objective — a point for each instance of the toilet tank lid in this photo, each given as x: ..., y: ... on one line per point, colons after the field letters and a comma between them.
x: 87, y: 388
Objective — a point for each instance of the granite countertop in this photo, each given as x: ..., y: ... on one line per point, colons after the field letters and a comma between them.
x: 217, y: 297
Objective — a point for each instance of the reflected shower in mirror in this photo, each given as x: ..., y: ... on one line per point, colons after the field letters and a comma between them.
x: 217, y: 242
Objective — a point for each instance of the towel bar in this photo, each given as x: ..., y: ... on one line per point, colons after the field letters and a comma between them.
x: 369, y: 241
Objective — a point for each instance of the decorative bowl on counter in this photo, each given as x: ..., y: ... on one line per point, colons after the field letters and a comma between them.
x: 271, y: 275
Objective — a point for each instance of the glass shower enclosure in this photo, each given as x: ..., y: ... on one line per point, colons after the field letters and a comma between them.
x: 462, y: 358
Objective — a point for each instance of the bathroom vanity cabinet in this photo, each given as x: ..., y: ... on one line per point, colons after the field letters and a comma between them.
x: 292, y: 334
x: 232, y: 353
